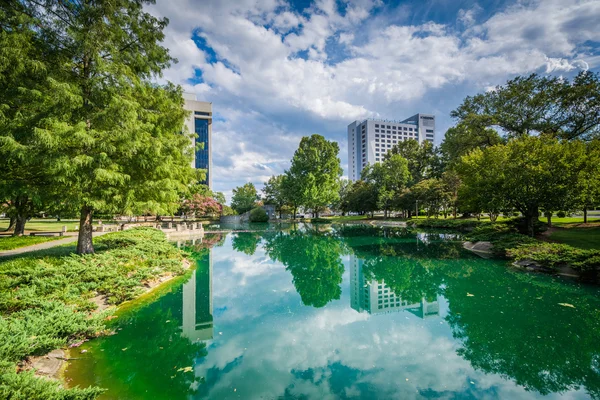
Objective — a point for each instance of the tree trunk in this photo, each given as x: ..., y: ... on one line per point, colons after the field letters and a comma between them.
x: 295, y: 209
x: 531, y: 216
x: 11, y: 224
x: 84, y: 240
x: 20, y: 225
x: 585, y: 215
x: 549, y: 217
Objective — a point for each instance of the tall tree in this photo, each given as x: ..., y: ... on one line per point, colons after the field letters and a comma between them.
x: 114, y: 138
x: 316, y: 171
x: 275, y: 194
x: 527, y: 174
x: 461, y: 139
x: 422, y: 159
x: 537, y: 105
x: 390, y: 178
x: 244, y: 198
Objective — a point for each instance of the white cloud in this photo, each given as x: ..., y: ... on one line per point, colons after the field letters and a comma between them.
x: 353, y: 66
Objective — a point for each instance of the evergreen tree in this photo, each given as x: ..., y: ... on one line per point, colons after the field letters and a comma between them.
x: 112, y: 138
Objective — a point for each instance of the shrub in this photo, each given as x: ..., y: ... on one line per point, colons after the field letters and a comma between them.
x: 554, y: 255
x: 258, y: 215
x: 44, y: 302
x: 561, y: 214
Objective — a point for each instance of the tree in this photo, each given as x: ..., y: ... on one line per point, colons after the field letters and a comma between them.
x: 432, y: 195
x: 24, y: 101
x: 390, y: 178
x: 587, y: 186
x: 112, y: 137
x: 461, y: 139
x: 362, y: 197
x: 315, y: 173
x: 244, y: 198
x: 422, y: 159
x: 275, y: 194
x: 549, y: 106
x: 200, y: 206
x: 527, y: 174
x: 342, y: 203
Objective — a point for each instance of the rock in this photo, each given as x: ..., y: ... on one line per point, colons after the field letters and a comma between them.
x: 50, y: 364
x: 482, y: 249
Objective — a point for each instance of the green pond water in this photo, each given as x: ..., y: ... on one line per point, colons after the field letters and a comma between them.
x: 350, y: 312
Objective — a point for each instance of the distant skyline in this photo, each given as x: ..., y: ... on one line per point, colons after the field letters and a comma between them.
x: 276, y: 71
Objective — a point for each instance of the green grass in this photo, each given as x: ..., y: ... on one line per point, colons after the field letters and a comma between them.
x: 580, y: 237
x: 570, y: 220
x: 45, y: 300
x: 44, y: 224
x: 14, y: 242
x: 347, y: 218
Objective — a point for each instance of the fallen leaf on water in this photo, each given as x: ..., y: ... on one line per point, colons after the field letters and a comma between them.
x: 124, y: 349
x: 566, y: 305
x: 186, y: 369
x: 470, y: 295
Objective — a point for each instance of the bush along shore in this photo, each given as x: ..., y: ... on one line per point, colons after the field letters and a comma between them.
x: 51, y: 302
x: 507, y: 242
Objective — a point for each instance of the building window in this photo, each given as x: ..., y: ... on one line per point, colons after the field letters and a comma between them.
x: 429, y: 130
x: 202, y: 155
x: 376, y: 130
x: 376, y: 125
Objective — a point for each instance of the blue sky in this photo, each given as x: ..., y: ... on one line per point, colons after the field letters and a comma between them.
x: 278, y: 70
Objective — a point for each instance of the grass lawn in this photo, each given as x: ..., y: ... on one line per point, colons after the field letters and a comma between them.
x: 347, y: 218
x: 44, y: 224
x: 564, y: 222
x: 14, y: 242
x: 577, y: 236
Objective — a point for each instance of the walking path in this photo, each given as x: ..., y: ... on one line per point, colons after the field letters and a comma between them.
x: 46, y: 245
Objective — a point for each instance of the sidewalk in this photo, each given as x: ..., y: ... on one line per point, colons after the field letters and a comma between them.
x: 45, y: 245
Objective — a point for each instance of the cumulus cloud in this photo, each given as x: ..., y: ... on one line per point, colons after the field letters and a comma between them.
x: 275, y: 73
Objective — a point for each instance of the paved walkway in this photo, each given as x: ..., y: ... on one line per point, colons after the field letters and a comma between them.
x: 71, y: 238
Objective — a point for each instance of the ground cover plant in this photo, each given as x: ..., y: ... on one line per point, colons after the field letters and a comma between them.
x: 45, y: 302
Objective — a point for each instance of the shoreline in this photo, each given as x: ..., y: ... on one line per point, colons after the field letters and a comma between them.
x: 54, y: 364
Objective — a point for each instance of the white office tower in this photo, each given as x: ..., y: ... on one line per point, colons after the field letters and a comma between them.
x: 369, y: 140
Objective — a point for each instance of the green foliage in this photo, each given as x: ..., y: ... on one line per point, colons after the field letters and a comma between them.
x: 258, y: 214
x: 423, y: 161
x: 110, y: 137
x: 548, y: 106
x: 388, y: 178
x: 314, y: 262
x: 526, y: 174
x: 45, y: 302
x: 14, y: 242
x: 561, y: 214
x: 458, y: 224
x: 461, y: 139
x: 314, y: 176
x: 244, y: 198
x: 554, y: 255
x: 362, y: 197
x: 246, y: 242
x: 275, y: 193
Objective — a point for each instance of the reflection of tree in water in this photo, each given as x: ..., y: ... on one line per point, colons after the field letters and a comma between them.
x: 246, y: 242
x: 509, y: 323
x: 149, y: 349
x: 515, y: 326
x: 314, y: 262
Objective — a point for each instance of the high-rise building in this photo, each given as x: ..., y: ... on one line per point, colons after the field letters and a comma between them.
x: 197, y: 310
x: 369, y: 140
x: 376, y: 297
x: 200, y: 122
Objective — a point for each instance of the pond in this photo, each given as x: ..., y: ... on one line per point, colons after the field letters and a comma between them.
x: 350, y: 312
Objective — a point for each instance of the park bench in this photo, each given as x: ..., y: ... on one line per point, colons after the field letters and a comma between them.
x: 46, y: 233
x: 6, y: 233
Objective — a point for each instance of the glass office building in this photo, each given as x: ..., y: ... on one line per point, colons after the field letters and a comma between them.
x: 200, y: 122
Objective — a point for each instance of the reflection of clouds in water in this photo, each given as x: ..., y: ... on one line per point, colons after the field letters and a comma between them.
x: 307, y: 351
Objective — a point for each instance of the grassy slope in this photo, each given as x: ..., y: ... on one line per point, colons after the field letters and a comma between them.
x: 45, y: 300
x: 587, y: 237
x: 14, y: 242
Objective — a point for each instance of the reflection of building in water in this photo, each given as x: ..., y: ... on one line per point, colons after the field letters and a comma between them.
x: 376, y: 297
x: 197, y: 302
